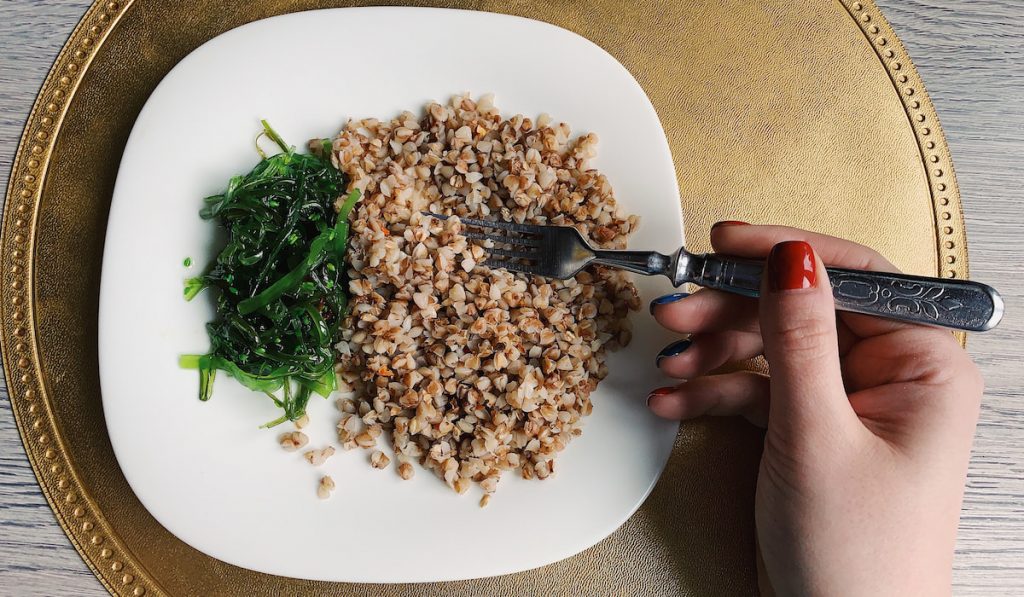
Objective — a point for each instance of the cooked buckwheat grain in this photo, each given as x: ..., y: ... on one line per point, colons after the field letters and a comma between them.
x: 318, y: 457
x: 326, y: 486
x: 293, y: 440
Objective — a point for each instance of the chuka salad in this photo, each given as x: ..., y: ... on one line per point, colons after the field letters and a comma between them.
x: 279, y: 279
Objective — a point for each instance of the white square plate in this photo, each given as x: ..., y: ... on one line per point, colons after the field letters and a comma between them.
x: 205, y: 470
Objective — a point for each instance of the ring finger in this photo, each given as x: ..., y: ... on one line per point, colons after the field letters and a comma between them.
x: 701, y: 353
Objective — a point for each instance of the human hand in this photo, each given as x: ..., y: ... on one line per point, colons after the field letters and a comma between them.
x: 869, y: 421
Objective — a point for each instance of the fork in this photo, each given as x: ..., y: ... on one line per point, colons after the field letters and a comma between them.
x: 561, y: 252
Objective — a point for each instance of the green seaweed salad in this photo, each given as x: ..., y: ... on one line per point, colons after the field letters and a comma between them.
x: 280, y: 279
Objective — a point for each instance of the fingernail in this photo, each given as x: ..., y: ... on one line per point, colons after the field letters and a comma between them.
x: 672, y: 350
x: 659, y: 392
x: 667, y: 299
x: 728, y: 223
x: 791, y: 266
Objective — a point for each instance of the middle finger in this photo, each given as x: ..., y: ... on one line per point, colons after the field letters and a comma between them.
x: 702, y: 353
x: 706, y: 311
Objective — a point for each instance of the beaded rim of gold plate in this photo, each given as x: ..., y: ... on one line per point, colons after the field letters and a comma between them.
x: 951, y: 241
x: 76, y: 511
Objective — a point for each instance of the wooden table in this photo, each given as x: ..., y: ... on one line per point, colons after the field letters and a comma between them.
x: 971, y: 54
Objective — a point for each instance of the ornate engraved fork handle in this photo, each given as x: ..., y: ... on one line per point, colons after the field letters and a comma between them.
x: 956, y: 304
x: 959, y: 304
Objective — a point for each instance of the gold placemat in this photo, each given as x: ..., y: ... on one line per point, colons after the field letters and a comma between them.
x: 804, y: 113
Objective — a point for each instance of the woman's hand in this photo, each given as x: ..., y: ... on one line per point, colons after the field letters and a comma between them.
x: 869, y: 422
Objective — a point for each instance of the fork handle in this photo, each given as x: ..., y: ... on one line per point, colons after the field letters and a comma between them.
x: 956, y: 304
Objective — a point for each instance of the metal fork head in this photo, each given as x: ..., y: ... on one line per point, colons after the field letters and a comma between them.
x: 548, y: 251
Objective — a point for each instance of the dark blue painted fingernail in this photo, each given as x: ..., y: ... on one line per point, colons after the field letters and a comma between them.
x: 672, y: 350
x: 668, y: 298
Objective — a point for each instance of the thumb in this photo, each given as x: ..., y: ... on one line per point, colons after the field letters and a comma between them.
x: 798, y: 325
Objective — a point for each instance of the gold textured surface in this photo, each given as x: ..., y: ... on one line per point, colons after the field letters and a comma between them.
x: 804, y: 113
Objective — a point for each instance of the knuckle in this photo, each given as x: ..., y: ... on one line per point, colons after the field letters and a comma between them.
x: 949, y: 368
x: 947, y: 362
x: 807, y: 338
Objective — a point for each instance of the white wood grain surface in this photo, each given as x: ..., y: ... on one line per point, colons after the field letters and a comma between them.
x: 971, y: 55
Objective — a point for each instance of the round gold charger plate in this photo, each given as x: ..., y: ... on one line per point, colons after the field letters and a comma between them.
x: 804, y: 113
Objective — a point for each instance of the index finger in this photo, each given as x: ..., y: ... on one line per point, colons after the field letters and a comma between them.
x: 755, y: 242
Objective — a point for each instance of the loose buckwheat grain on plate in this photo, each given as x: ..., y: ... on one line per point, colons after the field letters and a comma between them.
x: 379, y: 459
x: 318, y: 457
x: 473, y: 371
x: 325, y: 487
x: 293, y: 440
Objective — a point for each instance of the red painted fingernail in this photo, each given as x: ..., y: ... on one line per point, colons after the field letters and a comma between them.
x: 659, y: 392
x: 728, y: 223
x: 791, y: 266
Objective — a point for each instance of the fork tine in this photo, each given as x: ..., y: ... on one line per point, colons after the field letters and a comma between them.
x: 529, y: 255
x: 503, y: 258
x: 514, y: 227
x: 511, y: 266
x: 501, y: 239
